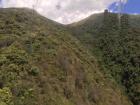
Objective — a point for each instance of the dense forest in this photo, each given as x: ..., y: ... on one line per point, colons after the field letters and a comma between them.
x: 116, y: 44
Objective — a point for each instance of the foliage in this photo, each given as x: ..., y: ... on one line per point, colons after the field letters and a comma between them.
x: 117, y: 47
x: 6, y: 97
x: 43, y: 64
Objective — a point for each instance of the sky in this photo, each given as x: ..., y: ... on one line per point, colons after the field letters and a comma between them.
x: 68, y: 11
x: 131, y: 7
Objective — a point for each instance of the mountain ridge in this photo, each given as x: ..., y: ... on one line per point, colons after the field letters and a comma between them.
x: 42, y: 63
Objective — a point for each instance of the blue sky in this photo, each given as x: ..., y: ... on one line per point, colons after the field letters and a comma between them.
x: 131, y: 7
x: 0, y: 3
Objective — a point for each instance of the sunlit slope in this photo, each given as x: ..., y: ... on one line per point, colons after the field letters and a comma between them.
x: 42, y: 64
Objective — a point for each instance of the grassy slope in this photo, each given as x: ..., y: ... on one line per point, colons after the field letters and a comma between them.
x: 116, y: 47
x: 42, y: 64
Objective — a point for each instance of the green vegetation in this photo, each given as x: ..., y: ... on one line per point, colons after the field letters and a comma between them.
x: 5, y: 97
x: 41, y: 63
x: 117, y: 47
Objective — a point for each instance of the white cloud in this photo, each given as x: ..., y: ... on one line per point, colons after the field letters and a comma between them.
x: 63, y: 11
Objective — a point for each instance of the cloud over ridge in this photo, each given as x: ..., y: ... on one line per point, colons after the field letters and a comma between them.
x: 63, y: 11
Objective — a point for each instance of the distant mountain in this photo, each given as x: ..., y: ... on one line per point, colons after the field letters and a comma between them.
x: 116, y: 45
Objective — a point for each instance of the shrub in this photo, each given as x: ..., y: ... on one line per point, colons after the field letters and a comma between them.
x: 34, y: 71
x: 5, y: 96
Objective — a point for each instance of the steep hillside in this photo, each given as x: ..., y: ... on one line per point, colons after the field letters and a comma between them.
x: 42, y: 64
x: 117, y: 47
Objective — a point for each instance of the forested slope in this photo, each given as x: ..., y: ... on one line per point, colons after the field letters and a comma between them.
x: 116, y: 44
x: 41, y: 63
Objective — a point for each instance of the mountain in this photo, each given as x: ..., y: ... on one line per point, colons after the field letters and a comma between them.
x: 116, y: 45
x: 41, y: 63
